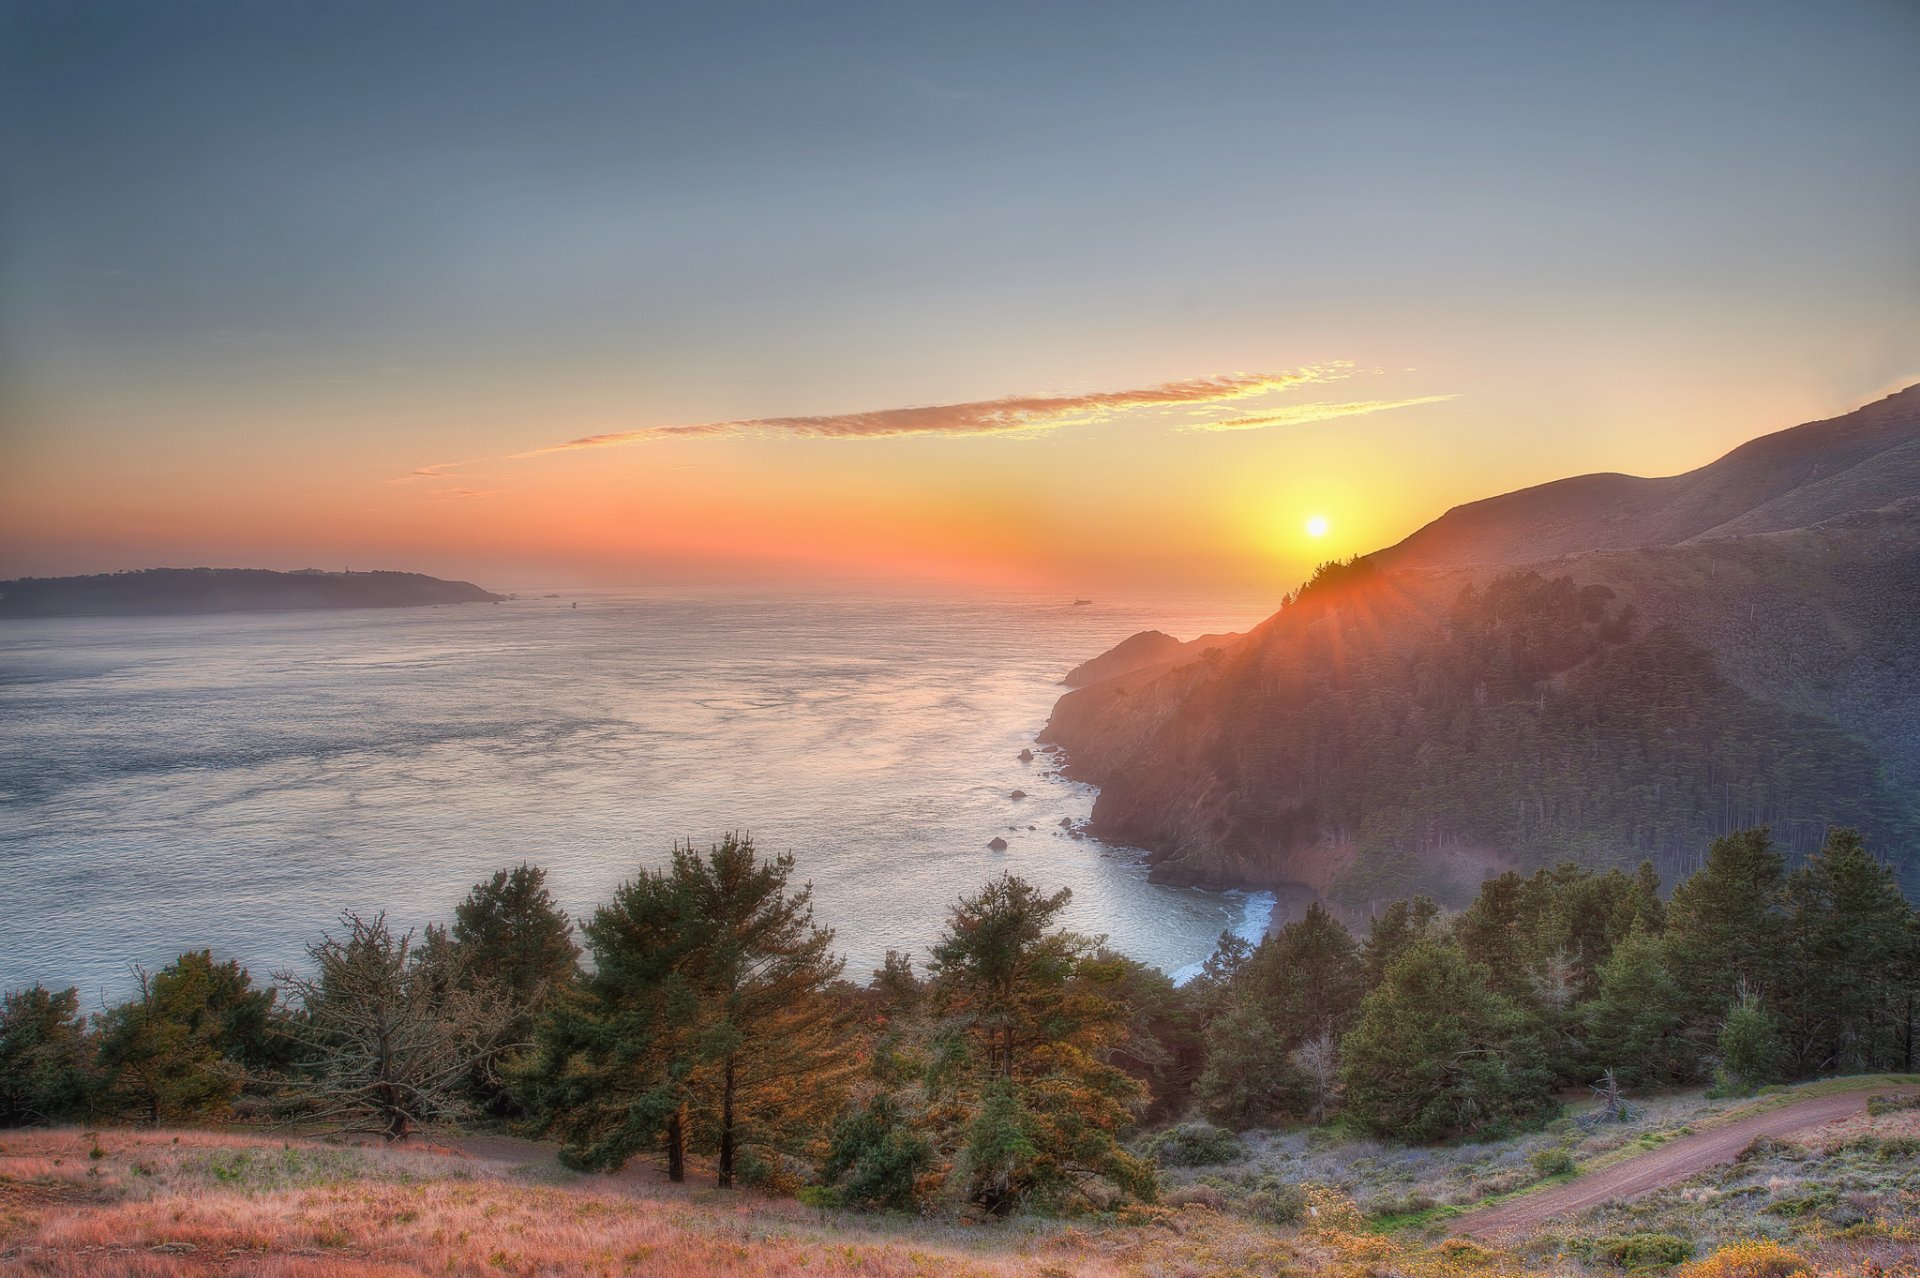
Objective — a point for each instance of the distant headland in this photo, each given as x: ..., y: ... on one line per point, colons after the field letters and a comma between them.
x: 179, y: 591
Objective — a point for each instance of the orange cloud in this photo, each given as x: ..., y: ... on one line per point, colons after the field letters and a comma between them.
x: 1010, y: 415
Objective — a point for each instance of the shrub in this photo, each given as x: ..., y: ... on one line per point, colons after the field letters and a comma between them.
x: 1642, y: 1251
x: 1195, y: 1145
x: 1556, y: 1161
x: 1748, y: 1260
x: 1208, y: 1196
x: 1277, y: 1203
x: 879, y: 1156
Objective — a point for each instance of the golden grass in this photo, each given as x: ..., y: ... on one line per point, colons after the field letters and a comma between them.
x: 174, y: 1205
x: 194, y: 1204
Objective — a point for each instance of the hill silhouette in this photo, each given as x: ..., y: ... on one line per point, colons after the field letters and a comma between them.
x: 175, y: 591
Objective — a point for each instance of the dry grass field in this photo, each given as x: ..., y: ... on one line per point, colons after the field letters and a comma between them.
x: 1844, y: 1203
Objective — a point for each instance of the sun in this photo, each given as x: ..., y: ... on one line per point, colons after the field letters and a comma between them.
x: 1317, y: 526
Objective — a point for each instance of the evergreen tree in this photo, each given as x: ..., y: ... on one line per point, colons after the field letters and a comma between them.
x: 46, y: 1058
x: 184, y: 1046
x: 1029, y: 1017
x: 1162, y: 1044
x: 876, y: 1159
x: 1309, y: 977
x: 1500, y: 930
x: 1751, y: 1053
x: 1724, y: 929
x: 1212, y: 991
x: 1249, y: 1078
x: 1395, y: 930
x: 706, y: 1023
x: 1633, y: 1021
x: 1437, y: 1054
x: 509, y: 931
x: 1846, y: 925
x: 510, y: 943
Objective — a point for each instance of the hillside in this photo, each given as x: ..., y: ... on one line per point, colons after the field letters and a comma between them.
x: 1864, y: 460
x: 1148, y: 648
x: 1462, y: 703
x: 175, y: 591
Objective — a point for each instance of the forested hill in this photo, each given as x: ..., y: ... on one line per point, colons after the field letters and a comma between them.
x: 1393, y: 729
x: 172, y: 591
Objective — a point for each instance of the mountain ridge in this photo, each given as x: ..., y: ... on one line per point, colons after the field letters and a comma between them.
x: 1427, y: 714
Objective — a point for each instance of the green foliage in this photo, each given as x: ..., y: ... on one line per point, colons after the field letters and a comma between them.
x: 512, y: 944
x: 705, y: 1023
x: 181, y: 1049
x: 1249, y: 1078
x: 1029, y: 1017
x: 1750, y: 1051
x: 1555, y: 1160
x: 1397, y: 929
x: 1277, y: 1202
x: 1642, y: 1251
x: 1195, y: 1145
x: 1724, y: 931
x: 1437, y: 1054
x: 1849, y: 980
x: 1633, y: 1021
x: 1162, y: 1044
x: 875, y: 1159
x: 510, y: 932
x: 46, y: 1058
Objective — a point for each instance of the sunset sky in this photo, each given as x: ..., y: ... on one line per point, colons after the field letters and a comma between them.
x: 1020, y: 296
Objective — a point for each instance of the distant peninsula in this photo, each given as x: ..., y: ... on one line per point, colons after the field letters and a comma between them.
x: 154, y: 592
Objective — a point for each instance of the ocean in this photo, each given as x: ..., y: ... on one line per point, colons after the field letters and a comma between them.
x: 235, y: 782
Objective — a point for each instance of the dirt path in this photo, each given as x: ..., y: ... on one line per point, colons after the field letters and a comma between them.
x: 1657, y: 1168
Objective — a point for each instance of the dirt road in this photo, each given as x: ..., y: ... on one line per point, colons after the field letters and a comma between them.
x: 1657, y: 1168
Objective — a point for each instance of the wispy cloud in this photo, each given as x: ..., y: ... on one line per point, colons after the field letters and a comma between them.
x: 1014, y: 414
x: 1303, y: 413
x: 1205, y: 401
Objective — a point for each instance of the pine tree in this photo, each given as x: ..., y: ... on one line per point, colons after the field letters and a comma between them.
x: 510, y: 932
x: 1249, y: 1078
x: 46, y: 1058
x: 184, y: 1045
x: 1030, y: 1015
x: 1633, y: 1021
x: 1309, y: 977
x: 512, y: 944
x: 1724, y: 929
x: 1395, y: 930
x: 1846, y: 925
x: 1437, y: 1054
x: 772, y: 1045
x: 705, y: 1024
x: 1751, y: 1053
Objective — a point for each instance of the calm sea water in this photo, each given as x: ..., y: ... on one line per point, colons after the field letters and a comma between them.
x: 234, y: 782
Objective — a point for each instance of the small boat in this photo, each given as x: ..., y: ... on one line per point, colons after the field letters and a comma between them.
x: 1081, y: 603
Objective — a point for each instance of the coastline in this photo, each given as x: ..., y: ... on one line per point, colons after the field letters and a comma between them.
x: 1260, y: 912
